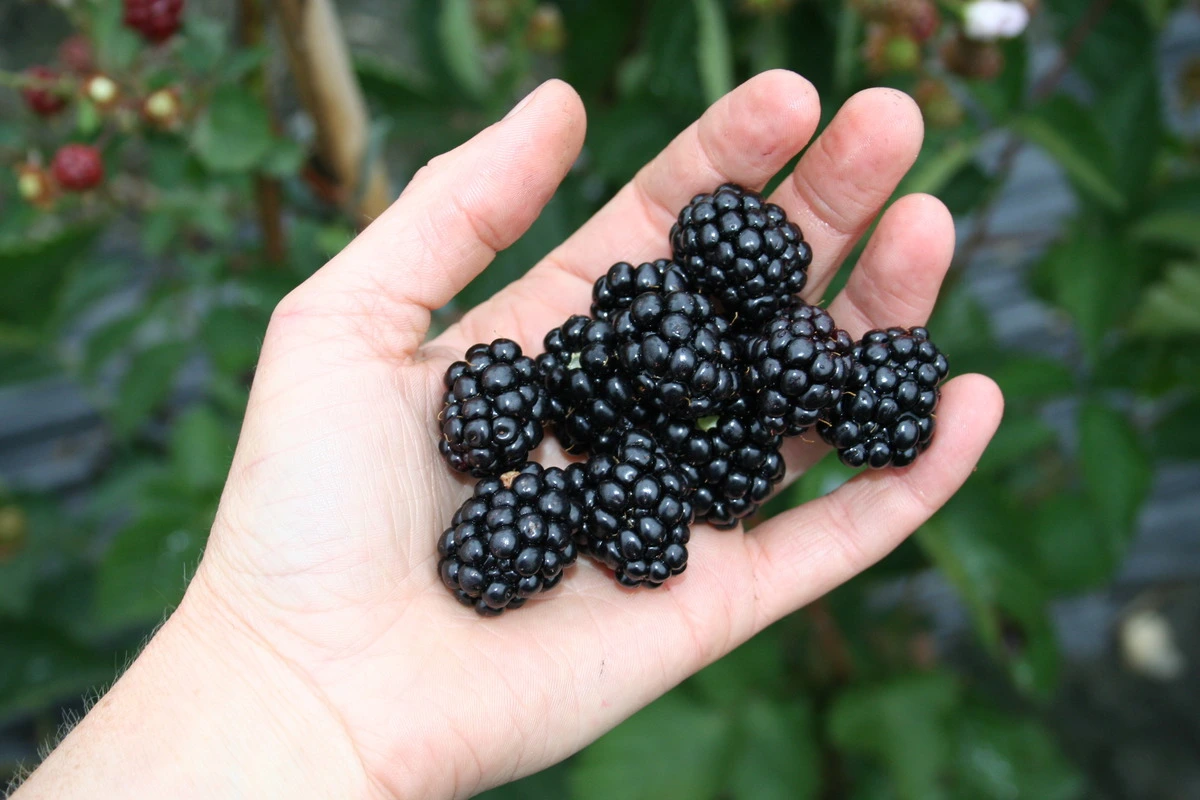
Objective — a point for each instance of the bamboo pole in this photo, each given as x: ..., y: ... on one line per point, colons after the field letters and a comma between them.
x: 328, y: 88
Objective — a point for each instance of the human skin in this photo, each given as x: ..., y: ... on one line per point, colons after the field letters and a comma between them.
x: 316, y: 652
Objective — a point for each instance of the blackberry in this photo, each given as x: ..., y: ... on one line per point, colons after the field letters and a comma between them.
x: 886, y: 412
x: 636, y: 510
x: 742, y: 251
x: 493, y: 411
x: 623, y: 282
x: 77, y: 167
x: 678, y: 353
x: 796, y: 367
x: 155, y: 20
x: 592, y: 403
x: 512, y: 539
x: 732, y: 459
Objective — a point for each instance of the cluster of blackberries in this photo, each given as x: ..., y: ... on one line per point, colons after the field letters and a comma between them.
x: 679, y: 388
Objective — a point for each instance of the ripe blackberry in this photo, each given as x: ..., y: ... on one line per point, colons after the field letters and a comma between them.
x: 636, y: 510
x: 732, y: 459
x: 42, y: 97
x: 494, y: 408
x: 678, y: 353
x: 886, y: 412
x: 77, y: 167
x: 511, y: 540
x: 592, y: 403
x: 155, y: 20
x: 741, y: 250
x: 623, y: 282
x: 797, y: 367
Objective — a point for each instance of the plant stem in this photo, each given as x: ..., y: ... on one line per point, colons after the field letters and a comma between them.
x: 267, y: 191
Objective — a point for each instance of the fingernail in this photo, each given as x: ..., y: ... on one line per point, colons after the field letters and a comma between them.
x: 524, y: 102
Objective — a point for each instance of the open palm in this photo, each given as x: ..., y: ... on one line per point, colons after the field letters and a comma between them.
x: 324, y: 546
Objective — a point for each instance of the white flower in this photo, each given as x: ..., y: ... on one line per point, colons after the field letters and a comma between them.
x: 988, y: 20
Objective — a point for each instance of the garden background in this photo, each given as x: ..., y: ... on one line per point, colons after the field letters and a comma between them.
x: 1036, y: 639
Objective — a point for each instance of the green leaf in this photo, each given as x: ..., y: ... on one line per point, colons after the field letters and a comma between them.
x: 40, y: 666
x: 35, y: 271
x: 1075, y: 550
x: 233, y: 336
x: 1171, y: 227
x: 903, y: 723
x: 243, y: 62
x: 234, y: 133
x: 1033, y: 378
x: 284, y: 159
x: 1116, y: 470
x: 1091, y: 277
x: 1020, y: 437
x: 1130, y: 116
x: 714, y: 56
x: 116, y: 46
x: 462, y: 46
x: 933, y: 172
x: 1171, y: 307
x: 755, y: 667
x: 201, y: 449
x: 205, y: 44
x: 1000, y: 756
x: 145, y: 570
x: 777, y: 756
x: 1069, y: 134
x: 673, y: 746
x: 1177, y: 433
x: 146, y: 384
x: 114, y: 336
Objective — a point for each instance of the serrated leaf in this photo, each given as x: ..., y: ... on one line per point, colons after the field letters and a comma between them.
x: 714, y: 56
x: 107, y: 340
x: 462, y: 46
x: 234, y: 133
x: 903, y: 723
x: 284, y: 158
x: 1116, y: 470
x: 35, y: 271
x: 233, y: 337
x: 1019, y: 437
x: 1075, y: 550
x: 116, y: 46
x: 1090, y: 277
x: 146, y: 384
x: 1068, y: 133
x: 1131, y: 119
x: 1001, y: 756
x: 673, y: 746
x: 1171, y: 307
x: 1033, y: 378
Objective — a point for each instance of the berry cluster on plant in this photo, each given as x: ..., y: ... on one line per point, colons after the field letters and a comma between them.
x: 677, y: 392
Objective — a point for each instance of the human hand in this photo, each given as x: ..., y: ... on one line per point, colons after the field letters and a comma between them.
x: 319, y: 589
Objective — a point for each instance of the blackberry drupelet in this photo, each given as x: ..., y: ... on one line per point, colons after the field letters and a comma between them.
x: 512, y: 539
x: 732, y: 459
x: 797, y: 367
x: 678, y: 353
x: 636, y: 511
x: 623, y: 282
x: 886, y: 411
x: 742, y: 251
x: 592, y: 403
x: 493, y: 410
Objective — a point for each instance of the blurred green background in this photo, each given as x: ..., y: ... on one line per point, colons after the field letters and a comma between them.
x: 1035, y: 640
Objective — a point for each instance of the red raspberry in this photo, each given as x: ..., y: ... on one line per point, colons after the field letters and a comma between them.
x: 43, y: 99
x: 77, y: 167
x: 156, y: 20
x: 75, y: 53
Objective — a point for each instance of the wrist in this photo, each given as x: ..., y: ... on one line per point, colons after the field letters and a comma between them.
x: 206, y: 710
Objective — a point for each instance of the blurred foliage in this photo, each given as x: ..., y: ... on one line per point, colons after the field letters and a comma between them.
x: 152, y: 294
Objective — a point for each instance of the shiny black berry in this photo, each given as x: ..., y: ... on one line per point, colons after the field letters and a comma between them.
x: 678, y: 353
x: 623, y: 282
x: 636, y: 511
x: 511, y: 540
x: 592, y: 402
x: 742, y: 251
x: 886, y: 411
x: 796, y: 367
x: 493, y: 410
x: 732, y: 459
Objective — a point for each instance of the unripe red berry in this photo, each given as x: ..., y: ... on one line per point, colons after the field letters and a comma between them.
x: 44, y: 98
x: 155, y: 20
x: 75, y: 53
x: 78, y: 167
